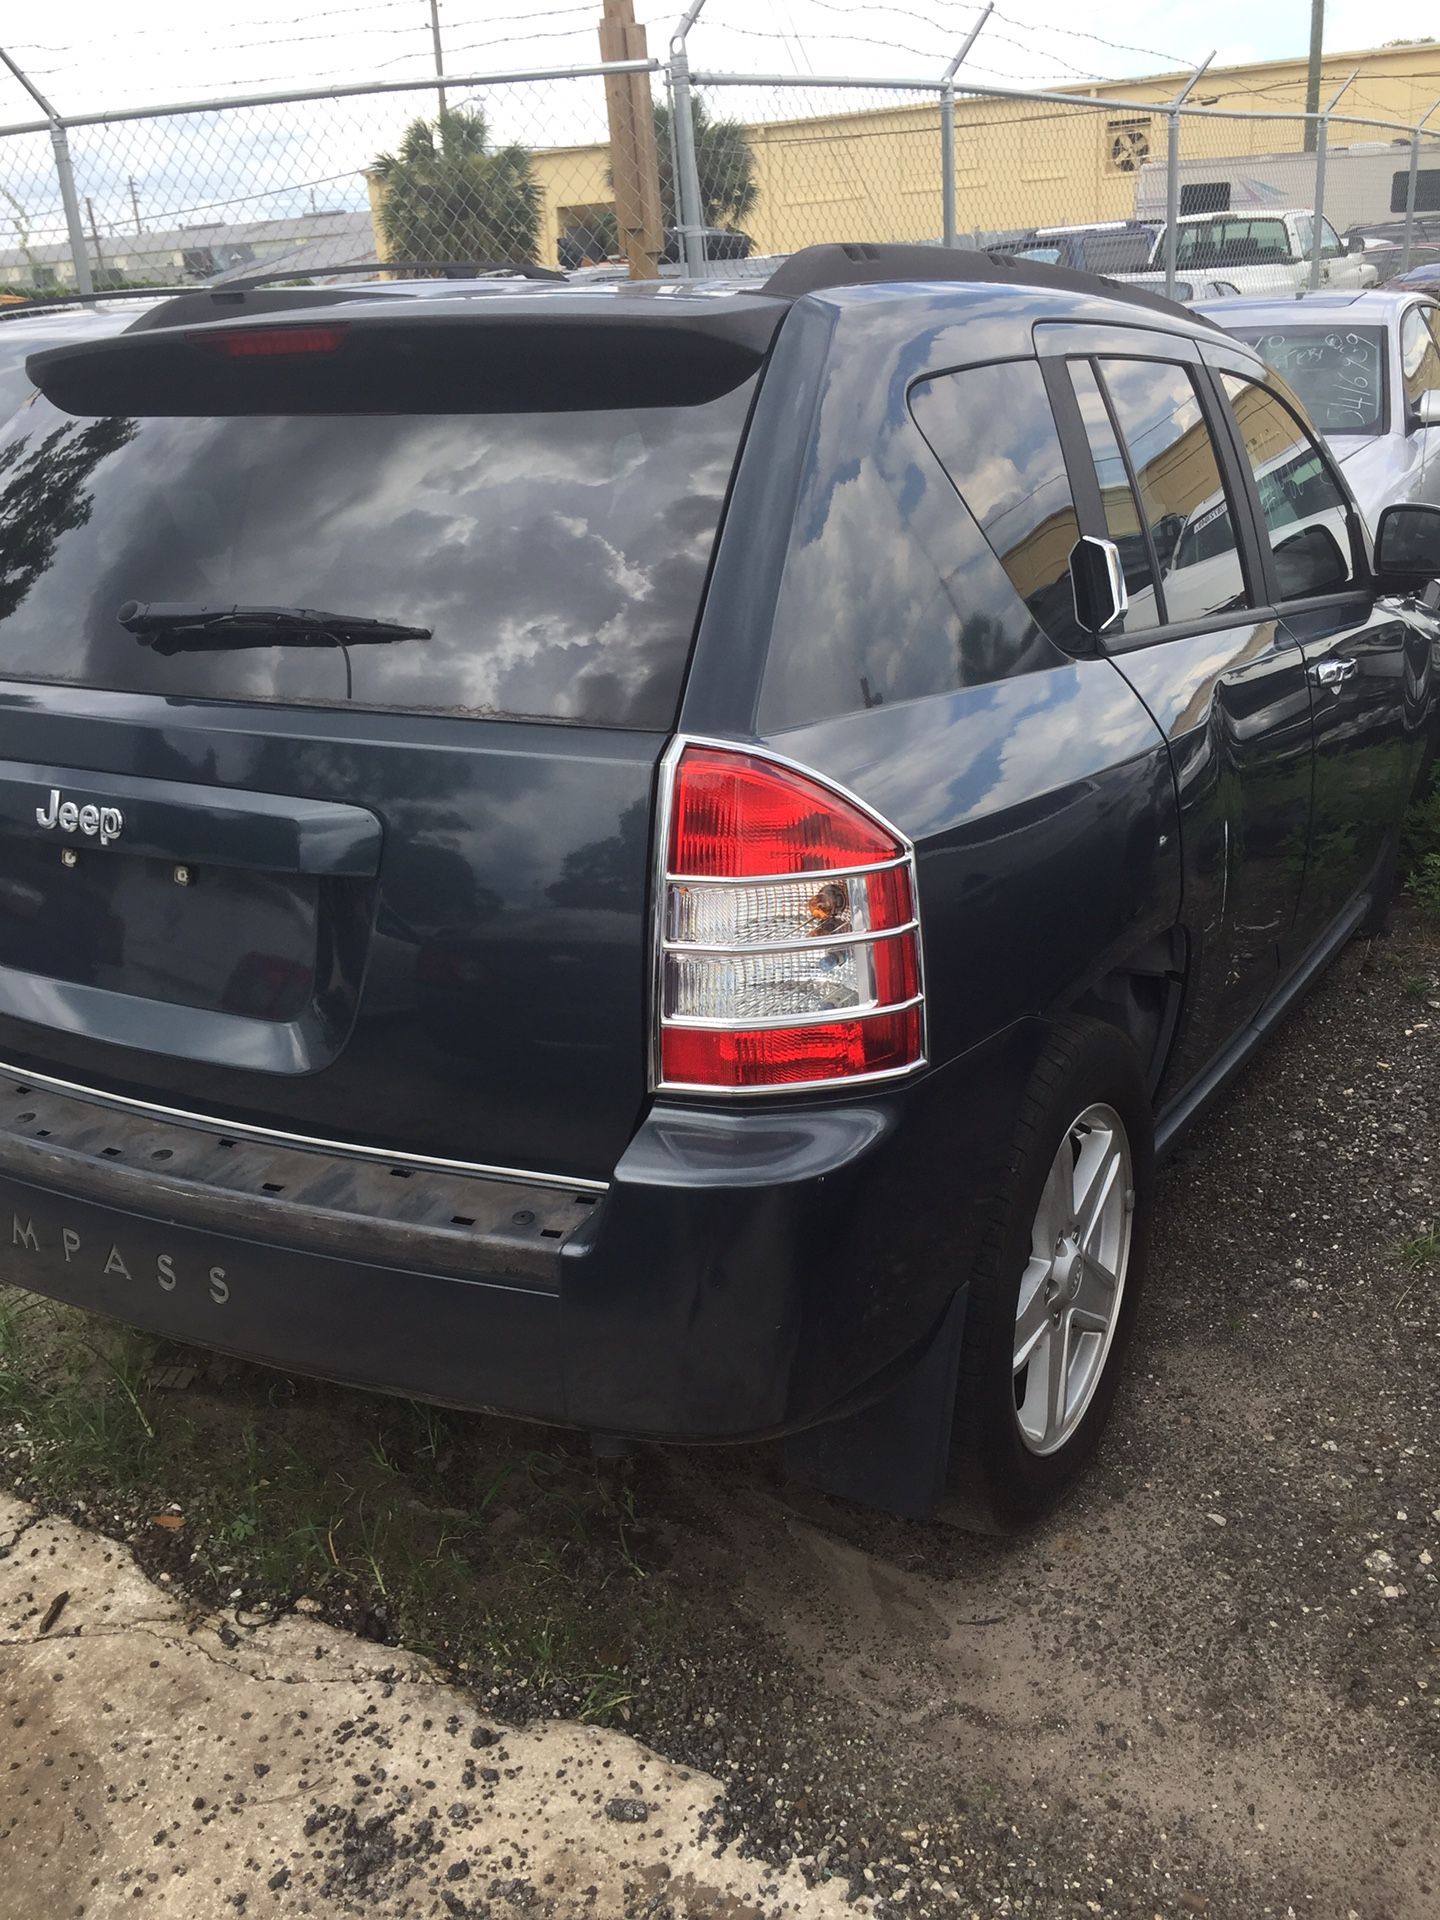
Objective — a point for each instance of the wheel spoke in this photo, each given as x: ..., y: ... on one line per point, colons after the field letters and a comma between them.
x: 1034, y: 1315
x: 1095, y: 1301
x: 1096, y: 1172
x: 1053, y: 1214
x: 1057, y: 1379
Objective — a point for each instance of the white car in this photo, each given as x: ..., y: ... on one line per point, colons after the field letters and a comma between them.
x: 1367, y: 368
x: 1262, y: 253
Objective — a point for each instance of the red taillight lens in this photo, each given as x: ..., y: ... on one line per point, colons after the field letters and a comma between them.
x: 789, y: 950
x: 271, y: 343
x: 783, y: 1056
x: 736, y: 814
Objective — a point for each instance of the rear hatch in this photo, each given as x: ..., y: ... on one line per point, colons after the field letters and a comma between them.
x: 376, y: 885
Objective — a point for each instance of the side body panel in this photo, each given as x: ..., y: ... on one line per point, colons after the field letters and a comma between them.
x: 1234, y: 706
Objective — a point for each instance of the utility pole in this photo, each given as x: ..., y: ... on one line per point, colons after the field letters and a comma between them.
x: 64, y: 175
x: 440, y: 53
x: 94, y: 234
x: 135, y: 203
x: 634, y: 163
x: 1312, y: 76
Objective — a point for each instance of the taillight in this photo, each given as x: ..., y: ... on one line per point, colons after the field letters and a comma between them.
x: 789, y: 952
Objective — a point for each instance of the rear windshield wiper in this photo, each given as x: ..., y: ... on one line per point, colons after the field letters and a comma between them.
x: 174, y: 626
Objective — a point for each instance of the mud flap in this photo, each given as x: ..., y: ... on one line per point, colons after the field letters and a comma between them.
x: 894, y: 1453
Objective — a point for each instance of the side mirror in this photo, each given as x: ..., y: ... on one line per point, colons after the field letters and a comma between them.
x: 1407, y: 547
x: 1309, y: 562
x: 1355, y: 243
x: 1097, y: 580
x: 1427, y: 409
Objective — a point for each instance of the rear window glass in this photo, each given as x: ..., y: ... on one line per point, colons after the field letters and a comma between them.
x: 1338, y: 372
x: 1118, y: 252
x: 558, y: 559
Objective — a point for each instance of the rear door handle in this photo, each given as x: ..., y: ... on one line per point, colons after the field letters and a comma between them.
x: 1333, y: 673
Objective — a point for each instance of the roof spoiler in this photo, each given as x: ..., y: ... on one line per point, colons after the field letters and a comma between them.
x: 378, y: 355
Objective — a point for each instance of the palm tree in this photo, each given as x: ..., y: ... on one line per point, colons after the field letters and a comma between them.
x: 448, y: 197
x: 728, y: 188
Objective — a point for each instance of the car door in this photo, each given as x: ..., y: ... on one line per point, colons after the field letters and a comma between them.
x: 1368, y: 669
x: 1223, y: 680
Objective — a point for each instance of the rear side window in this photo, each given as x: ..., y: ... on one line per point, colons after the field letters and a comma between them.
x: 1187, y: 516
x: 1117, y: 499
x: 1302, y: 503
x: 558, y: 559
x: 992, y: 430
x: 1118, y: 252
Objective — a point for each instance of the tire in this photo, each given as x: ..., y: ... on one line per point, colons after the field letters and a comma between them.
x: 1019, y: 1441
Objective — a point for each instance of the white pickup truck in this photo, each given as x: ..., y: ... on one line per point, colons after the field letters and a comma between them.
x: 1260, y: 253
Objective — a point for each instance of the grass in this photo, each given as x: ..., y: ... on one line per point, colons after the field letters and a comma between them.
x: 502, y: 1551
x: 1420, y: 1249
x: 1420, y: 853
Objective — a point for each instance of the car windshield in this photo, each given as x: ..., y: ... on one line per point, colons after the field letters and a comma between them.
x: 1338, y: 372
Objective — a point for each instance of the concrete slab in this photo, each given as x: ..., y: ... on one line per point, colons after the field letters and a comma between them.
x: 199, y: 1771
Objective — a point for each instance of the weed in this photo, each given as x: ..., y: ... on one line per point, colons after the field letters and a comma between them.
x: 1421, y: 1249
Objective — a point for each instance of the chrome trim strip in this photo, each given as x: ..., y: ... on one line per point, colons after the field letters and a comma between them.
x: 818, y: 876
x: 826, y: 1016
x: 522, y: 1176
x: 710, y: 1092
x: 861, y: 937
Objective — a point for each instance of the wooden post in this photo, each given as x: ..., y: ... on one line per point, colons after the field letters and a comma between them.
x: 634, y: 165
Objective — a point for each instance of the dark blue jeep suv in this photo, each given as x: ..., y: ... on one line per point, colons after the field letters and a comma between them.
x: 665, y: 858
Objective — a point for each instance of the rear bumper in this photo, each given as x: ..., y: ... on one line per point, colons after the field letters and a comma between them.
x: 746, y: 1274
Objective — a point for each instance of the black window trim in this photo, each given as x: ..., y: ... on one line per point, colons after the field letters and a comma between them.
x: 1363, y: 584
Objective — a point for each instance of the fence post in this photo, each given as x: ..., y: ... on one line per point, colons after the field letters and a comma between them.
x: 1322, y: 148
x: 1172, y: 175
x: 1413, y: 184
x: 65, y: 174
x: 689, y: 206
x: 947, y: 126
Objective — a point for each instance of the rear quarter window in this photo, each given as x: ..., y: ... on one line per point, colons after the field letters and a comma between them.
x: 993, y: 431
x: 558, y: 558
x: 890, y: 590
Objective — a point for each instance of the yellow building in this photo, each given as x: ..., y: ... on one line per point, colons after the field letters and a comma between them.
x: 875, y: 174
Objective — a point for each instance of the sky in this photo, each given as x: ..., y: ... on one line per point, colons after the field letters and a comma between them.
x: 94, y: 56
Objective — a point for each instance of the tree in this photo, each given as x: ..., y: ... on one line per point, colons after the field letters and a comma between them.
x: 447, y: 196
x: 723, y: 160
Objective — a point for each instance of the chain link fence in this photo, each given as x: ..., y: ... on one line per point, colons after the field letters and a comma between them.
x: 647, y: 168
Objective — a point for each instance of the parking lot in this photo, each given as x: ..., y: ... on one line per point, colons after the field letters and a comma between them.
x: 1210, y: 1686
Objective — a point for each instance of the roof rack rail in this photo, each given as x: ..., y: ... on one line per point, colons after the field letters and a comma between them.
x: 198, y: 305
x: 54, y: 302
x: 437, y: 269
x: 856, y: 263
